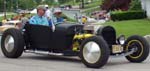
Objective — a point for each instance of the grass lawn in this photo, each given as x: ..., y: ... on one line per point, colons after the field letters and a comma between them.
x: 132, y: 27
x: 1, y: 18
x: 93, y: 4
x: 8, y: 16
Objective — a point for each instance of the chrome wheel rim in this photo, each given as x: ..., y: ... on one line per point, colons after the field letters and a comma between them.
x: 9, y: 43
x: 91, y: 52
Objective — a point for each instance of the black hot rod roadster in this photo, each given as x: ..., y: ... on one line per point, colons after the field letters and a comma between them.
x: 94, y: 49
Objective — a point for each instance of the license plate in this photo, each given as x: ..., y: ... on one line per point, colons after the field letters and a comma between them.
x: 117, y: 48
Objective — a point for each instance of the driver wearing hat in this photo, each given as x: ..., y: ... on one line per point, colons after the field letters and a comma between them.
x: 39, y: 19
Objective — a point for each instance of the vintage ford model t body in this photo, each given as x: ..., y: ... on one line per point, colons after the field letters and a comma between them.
x: 94, y: 49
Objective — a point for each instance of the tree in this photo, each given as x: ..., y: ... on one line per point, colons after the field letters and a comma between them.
x: 12, y: 5
x: 27, y: 4
x: 38, y: 1
x: 82, y: 3
x: 135, y: 5
x: 1, y: 5
x: 116, y: 5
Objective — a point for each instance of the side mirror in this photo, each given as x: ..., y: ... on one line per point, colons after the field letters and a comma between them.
x: 121, y: 39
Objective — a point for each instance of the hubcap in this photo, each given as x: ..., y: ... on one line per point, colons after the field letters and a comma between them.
x: 138, y: 48
x: 9, y: 43
x: 91, y: 52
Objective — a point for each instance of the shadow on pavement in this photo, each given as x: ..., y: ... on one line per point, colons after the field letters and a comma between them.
x: 53, y: 58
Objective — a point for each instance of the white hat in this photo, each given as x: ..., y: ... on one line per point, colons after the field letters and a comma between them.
x: 41, y: 7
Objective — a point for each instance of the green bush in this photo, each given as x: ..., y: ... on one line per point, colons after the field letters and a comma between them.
x: 127, y: 15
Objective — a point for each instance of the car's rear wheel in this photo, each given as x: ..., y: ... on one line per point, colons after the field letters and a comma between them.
x: 94, y: 52
x: 12, y: 43
x: 140, y: 46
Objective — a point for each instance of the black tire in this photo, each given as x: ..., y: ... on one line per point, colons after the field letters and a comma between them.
x: 142, y: 48
x: 104, y: 54
x: 18, y: 46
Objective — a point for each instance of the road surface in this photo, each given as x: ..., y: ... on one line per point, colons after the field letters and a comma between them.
x: 32, y: 62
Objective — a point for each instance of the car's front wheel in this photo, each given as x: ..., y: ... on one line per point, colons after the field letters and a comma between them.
x: 94, y: 52
x: 12, y: 43
x: 140, y: 46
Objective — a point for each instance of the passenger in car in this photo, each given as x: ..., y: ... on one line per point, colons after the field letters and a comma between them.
x: 39, y: 19
x: 57, y: 17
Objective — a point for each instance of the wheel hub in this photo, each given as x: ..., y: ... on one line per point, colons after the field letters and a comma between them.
x: 9, y: 43
x: 138, y: 48
x: 91, y: 52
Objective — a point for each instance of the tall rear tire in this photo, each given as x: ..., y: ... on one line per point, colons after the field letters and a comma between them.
x: 12, y: 43
x: 141, y: 48
x: 94, y: 52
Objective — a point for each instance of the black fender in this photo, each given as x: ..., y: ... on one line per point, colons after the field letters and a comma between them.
x: 108, y: 33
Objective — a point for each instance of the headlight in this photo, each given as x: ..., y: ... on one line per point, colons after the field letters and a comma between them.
x: 121, y: 39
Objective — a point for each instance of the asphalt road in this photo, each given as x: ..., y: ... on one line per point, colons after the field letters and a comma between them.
x: 33, y: 62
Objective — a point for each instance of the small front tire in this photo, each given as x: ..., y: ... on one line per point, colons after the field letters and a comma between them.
x: 142, y: 48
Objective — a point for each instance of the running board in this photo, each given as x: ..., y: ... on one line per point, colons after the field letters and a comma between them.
x: 124, y: 54
x: 43, y: 52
